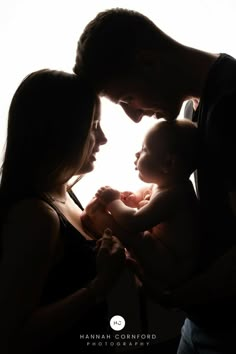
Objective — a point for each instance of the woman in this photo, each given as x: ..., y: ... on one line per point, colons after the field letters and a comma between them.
x: 53, y: 278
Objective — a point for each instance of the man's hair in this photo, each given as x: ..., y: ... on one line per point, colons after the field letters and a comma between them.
x: 110, y: 42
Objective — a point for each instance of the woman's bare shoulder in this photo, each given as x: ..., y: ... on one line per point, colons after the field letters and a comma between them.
x: 31, y: 218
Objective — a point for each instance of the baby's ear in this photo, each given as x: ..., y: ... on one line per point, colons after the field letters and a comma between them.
x: 169, y: 163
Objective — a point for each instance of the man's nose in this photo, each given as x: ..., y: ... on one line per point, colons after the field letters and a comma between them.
x: 135, y: 114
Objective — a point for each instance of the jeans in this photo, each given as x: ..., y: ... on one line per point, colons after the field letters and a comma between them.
x: 196, y: 340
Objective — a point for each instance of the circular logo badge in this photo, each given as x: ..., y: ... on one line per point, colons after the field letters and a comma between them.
x: 117, y: 323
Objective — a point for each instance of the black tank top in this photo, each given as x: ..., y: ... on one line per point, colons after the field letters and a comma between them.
x: 73, y: 272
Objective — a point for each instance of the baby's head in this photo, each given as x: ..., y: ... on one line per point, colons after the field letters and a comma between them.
x: 170, y: 152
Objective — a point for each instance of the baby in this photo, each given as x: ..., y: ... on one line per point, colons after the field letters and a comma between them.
x: 165, y: 215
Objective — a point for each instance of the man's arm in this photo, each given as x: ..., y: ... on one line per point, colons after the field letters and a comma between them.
x: 219, y: 280
x: 216, y: 283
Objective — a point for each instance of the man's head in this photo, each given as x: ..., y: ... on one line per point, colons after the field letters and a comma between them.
x: 128, y: 59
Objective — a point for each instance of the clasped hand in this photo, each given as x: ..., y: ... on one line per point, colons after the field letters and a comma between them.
x: 107, y: 194
x: 111, y: 258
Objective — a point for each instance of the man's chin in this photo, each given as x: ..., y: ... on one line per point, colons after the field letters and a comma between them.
x: 167, y: 115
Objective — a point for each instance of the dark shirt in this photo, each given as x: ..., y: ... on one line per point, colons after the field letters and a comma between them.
x: 216, y: 177
x: 73, y: 272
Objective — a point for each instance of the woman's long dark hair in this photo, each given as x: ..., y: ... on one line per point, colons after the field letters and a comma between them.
x: 48, y: 126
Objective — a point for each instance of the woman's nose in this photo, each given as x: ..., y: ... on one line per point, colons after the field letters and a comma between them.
x: 101, y: 138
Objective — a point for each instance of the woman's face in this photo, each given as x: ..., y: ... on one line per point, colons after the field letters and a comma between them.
x: 96, y: 138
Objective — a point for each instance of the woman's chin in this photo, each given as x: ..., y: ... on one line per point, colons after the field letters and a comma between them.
x: 88, y: 167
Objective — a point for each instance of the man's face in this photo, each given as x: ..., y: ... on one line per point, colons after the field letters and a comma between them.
x: 140, y: 98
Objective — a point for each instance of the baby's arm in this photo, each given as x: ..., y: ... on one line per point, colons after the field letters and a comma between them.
x: 153, y: 253
x: 95, y: 219
x: 157, y: 210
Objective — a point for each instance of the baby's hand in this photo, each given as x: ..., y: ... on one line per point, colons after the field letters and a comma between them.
x: 129, y: 199
x: 107, y: 194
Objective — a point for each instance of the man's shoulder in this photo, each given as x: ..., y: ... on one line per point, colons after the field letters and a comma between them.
x: 221, y: 78
x: 219, y: 97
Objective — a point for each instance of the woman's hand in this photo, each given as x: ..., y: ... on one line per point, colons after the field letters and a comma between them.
x: 95, y: 219
x: 111, y: 260
x: 107, y: 194
x: 111, y: 255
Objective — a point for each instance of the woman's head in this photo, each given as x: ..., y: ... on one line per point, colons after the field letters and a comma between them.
x: 50, y: 126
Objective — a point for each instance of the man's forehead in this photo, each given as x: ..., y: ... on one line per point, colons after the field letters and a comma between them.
x: 114, y: 89
x: 108, y: 94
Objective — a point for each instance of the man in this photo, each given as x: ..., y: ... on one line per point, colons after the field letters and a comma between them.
x: 133, y: 63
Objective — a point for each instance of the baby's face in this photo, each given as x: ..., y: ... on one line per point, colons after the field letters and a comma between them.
x: 149, y: 158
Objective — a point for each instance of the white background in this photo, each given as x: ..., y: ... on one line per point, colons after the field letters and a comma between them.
x: 38, y: 34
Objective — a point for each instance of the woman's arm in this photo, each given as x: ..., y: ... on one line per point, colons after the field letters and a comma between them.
x: 28, y: 247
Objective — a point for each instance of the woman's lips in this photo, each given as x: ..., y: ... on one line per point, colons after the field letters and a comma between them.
x: 93, y: 155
